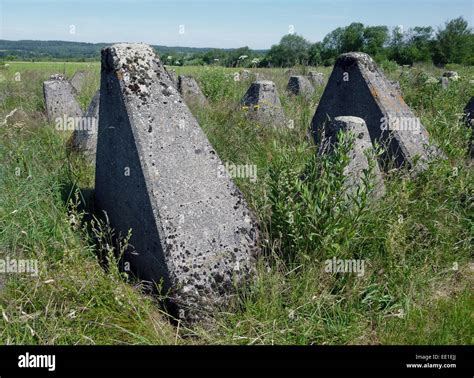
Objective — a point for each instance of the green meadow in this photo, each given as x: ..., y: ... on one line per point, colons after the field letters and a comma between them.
x: 416, y: 241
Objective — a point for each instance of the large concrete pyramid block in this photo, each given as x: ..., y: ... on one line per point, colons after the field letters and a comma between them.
x: 84, y: 139
x: 362, y: 145
x: 157, y: 174
x: 358, y: 88
x: 60, y: 100
x: 262, y: 103
x: 190, y: 91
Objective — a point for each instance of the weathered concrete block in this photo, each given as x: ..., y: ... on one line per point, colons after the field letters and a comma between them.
x: 84, y: 138
x: 190, y: 91
x: 78, y: 80
x: 444, y: 82
x: 359, y: 163
x: 300, y: 85
x: 316, y: 78
x: 261, y: 102
x: 60, y: 100
x: 358, y: 88
x: 157, y: 174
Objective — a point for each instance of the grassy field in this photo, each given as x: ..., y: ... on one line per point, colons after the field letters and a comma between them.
x: 416, y: 241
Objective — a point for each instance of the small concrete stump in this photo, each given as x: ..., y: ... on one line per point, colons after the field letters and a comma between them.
x: 359, y: 163
x: 157, y: 175
x: 60, y: 100
x: 357, y: 87
x: 246, y: 75
x: 190, y: 91
x: 300, y: 85
x: 262, y: 103
x: 316, y: 78
x: 444, y: 82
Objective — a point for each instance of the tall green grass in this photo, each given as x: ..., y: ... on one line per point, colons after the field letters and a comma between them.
x: 416, y: 241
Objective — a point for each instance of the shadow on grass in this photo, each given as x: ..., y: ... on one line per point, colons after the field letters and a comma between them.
x: 99, y: 234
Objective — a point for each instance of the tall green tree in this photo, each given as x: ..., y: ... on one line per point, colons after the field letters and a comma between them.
x: 353, y: 37
x: 455, y: 43
x: 375, y: 38
x: 292, y: 49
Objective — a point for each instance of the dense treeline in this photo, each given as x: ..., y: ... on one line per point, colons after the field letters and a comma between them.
x: 74, y: 51
x: 452, y: 43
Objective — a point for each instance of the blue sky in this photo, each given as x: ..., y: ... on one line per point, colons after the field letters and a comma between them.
x: 212, y: 23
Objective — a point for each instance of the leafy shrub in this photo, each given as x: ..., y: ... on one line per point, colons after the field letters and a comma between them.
x: 312, y: 210
x: 216, y: 84
x: 389, y: 66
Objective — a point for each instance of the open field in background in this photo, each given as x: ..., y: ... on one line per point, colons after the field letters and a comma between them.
x: 416, y: 241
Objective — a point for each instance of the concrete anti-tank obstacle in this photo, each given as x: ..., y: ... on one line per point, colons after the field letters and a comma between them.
x: 78, y: 80
x: 316, y: 78
x: 358, y: 88
x: 262, y: 103
x: 300, y: 85
x: 157, y: 174
x: 60, y: 101
x: 359, y: 162
x: 190, y: 91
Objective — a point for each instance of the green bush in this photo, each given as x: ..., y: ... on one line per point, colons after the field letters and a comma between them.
x: 389, y: 66
x: 216, y: 83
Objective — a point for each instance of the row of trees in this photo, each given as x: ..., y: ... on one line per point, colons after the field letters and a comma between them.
x: 453, y: 43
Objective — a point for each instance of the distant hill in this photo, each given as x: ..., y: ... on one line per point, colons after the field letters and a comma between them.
x: 62, y: 50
